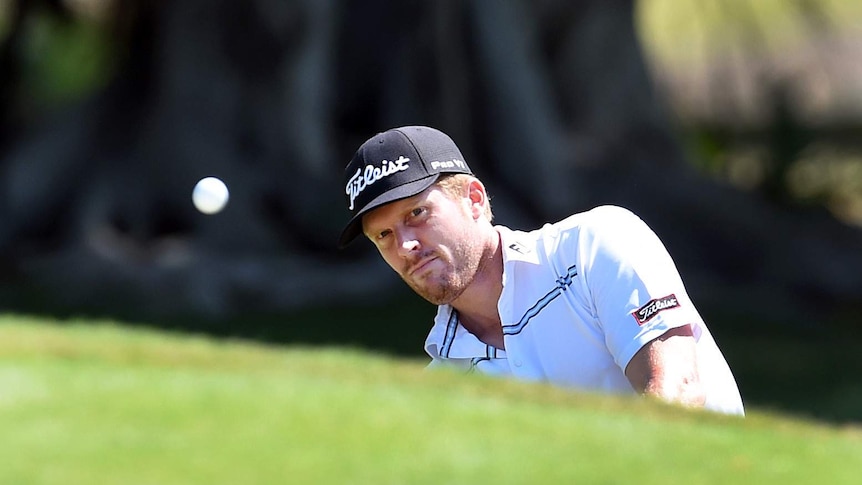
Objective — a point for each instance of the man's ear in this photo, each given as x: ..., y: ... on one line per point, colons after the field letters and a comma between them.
x: 478, y: 198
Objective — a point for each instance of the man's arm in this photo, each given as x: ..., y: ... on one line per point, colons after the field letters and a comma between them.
x: 666, y: 368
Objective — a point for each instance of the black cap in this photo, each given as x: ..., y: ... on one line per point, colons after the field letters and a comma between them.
x: 393, y: 165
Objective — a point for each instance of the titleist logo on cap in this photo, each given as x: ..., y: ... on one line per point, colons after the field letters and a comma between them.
x: 364, y: 178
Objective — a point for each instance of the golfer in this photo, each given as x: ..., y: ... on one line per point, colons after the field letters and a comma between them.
x: 592, y: 302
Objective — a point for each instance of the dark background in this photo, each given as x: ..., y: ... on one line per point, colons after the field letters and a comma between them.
x: 732, y: 129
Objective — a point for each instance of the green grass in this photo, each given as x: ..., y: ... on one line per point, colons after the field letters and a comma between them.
x: 98, y: 403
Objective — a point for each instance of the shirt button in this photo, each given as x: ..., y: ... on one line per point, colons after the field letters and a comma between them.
x: 517, y: 363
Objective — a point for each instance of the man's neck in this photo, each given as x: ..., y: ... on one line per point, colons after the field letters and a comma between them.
x: 477, y: 306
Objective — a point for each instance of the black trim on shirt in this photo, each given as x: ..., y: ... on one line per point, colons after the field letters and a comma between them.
x: 563, y: 284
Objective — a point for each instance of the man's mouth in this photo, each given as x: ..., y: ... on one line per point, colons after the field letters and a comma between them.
x: 420, y: 265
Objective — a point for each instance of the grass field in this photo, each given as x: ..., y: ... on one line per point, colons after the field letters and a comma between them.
x: 99, y: 403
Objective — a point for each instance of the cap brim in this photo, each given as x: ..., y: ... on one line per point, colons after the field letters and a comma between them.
x: 354, y: 227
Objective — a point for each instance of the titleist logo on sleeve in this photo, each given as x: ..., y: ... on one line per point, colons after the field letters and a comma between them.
x: 653, y: 307
x: 362, y: 179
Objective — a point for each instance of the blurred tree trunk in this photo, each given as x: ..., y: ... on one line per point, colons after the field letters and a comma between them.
x: 550, y: 101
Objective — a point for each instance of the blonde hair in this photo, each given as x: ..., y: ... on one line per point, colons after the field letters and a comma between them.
x: 455, y: 185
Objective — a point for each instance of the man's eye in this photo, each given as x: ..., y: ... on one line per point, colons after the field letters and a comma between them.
x: 383, y: 234
x: 417, y: 211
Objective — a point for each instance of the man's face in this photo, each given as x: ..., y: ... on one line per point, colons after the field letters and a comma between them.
x: 431, y: 240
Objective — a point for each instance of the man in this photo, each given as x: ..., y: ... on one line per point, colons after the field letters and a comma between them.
x: 592, y: 302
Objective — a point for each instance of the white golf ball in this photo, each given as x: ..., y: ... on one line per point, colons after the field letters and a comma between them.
x: 210, y: 195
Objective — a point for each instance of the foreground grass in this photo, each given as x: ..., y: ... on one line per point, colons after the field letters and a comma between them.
x: 94, y: 403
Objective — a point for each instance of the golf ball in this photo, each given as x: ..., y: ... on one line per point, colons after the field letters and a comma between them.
x: 210, y: 195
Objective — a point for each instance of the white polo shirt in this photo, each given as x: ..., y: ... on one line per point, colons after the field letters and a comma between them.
x: 580, y: 298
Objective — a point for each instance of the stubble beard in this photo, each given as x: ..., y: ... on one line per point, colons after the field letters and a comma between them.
x: 444, y: 286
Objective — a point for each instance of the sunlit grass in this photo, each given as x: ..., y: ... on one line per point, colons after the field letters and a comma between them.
x: 685, y: 30
x: 724, y: 63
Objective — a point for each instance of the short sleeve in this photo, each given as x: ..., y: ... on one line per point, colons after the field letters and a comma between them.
x: 634, y: 286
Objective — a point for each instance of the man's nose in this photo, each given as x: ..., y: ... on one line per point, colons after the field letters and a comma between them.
x: 407, y: 243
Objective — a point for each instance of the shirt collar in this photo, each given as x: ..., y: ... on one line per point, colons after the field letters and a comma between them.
x: 517, y: 246
x: 448, y: 339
